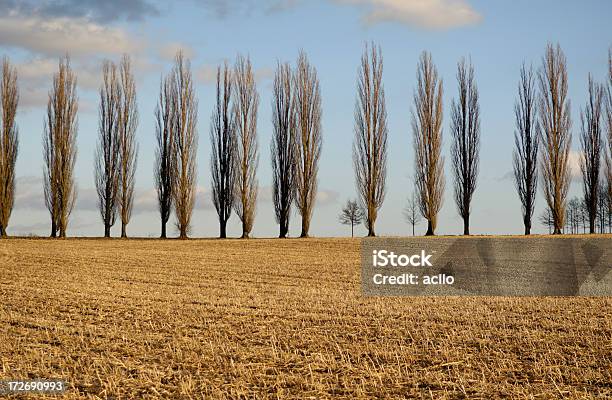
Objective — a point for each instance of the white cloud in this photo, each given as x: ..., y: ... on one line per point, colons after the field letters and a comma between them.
x: 429, y: 14
x: 59, y: 36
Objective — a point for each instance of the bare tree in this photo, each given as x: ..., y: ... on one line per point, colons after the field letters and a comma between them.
x: 107, y: 150
x: 590, y: 139
x: 352, y: 214
x: 370, y: 144
x: 526, y: 139
x: 465, y: 148
x: 184, y: 174
x: 308, y: 139
x: 128, y: 147
x: 546, y: 219
x: 283, y: 147
x: 223, y: 151
x: 59, y: 148
x: 608, y: 154
x: 411, y: 211
x: 163, y: 172
x: 9, y: 141
x: 427, y: 131
x: 555, y: 120
x: 245, y: 115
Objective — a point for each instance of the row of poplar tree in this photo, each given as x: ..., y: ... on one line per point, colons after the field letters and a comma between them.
x: 542, y: 142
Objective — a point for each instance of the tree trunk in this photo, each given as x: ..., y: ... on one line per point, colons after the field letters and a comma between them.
x: 305, y: 227
x: 430, y: 231
x: 592, y: 223
x: 245, y: 235
x: 466, y: 226
x: 352, y: 230
x: 183, y: 233
x: 527, y: 226
x: 2, y: 232
x: 163, y: 230
x: 222, y: 229
x: 62, y: 232
x: 123, y: 230
x: 413, y: 229
x: 53, y: 229
x: 107, y: 230
x: 284, y: 229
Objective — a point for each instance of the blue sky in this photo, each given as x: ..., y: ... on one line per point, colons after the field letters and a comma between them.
x: 498, y: 36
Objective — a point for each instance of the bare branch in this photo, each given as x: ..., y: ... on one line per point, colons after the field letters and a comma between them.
x: 526, y: 139
x: 245, y: 116
x: 370, y: 143
x: 9, y: 141
x: 427, y: 130
x: 555, y: 120
x: 59, y: 147
x: 308, y: 140
x: 283, y: 147
x: 223, y: 150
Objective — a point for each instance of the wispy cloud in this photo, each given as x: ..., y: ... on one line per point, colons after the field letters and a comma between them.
x: 428, y: 14
x: 95, y: 10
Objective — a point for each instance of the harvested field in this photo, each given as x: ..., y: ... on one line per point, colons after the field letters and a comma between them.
x: 277, y: 319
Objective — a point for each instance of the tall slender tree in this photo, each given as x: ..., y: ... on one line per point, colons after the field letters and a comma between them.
x: 609, y: 127
x: 107, y: 160
x: 184, y: 175
x: 59, y: 148
x: 591, y: 141
x: 427, y: 130
x: 308, y: 139
x: 465, y: 148
x: 526, y: 140
x: 164, y: 170
x: 128, y: 147
x: 283, y: 147
x: 9, y: 141
x: 555, y: 120
x: 223, y: 150
x: 370, y: 143
x: 246, y: 103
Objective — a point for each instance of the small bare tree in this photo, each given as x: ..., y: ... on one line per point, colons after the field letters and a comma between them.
x: 352, y: 214
x: 223, y: 151
x: 526, y: 139
x: 184, y: 174
x: 9, y: 141
x: 128, y: 147
x: 308, y: 139
x: 411, y: 212
x: 590, y: 139
x: 59, y: 148
x: 164, y: 129
x: 465, y: 148
x: 370, y: 144
x: 107, y: 151
x: 283, y: 147
x: 546, y: 219
x: 245, y: 116
x: 555, y: 120
x: 427, y: 130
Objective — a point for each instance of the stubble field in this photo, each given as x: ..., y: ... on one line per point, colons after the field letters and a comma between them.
x: 277, y: 319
